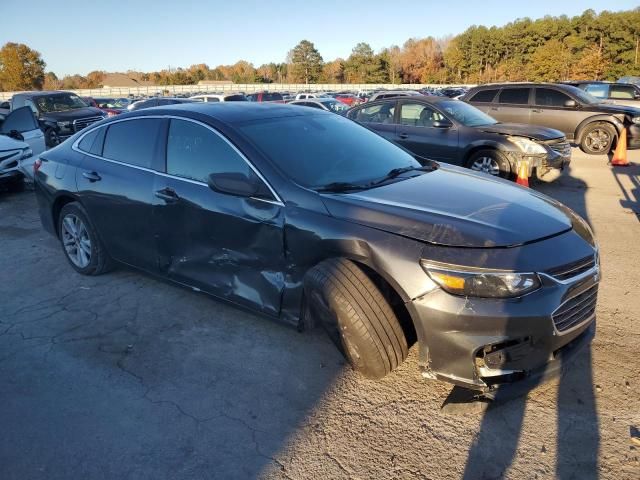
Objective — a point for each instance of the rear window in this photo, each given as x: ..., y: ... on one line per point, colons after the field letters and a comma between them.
x: 486, y: 96
x: 133, y: 141
x: 235, y: 98
x: 514, y: 96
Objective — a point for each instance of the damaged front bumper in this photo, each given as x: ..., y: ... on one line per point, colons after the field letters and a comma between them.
x: 558, y: 157
x: 485, y: 344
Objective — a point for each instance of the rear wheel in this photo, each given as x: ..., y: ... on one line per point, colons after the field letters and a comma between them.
x: 490, y: 161
x: 598, y: 138
x: 356, y: 316
x: 80, y: 242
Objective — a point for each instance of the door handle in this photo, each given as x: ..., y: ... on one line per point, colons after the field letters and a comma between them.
x: 169, y: 195
x: 494, y: 109
x: 536, y: 110
x: 403, y: 136
x: 92, y: 176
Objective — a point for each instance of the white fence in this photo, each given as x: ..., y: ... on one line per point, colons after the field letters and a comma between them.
x: 244, y: 87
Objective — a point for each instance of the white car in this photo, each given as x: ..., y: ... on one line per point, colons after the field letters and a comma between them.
x: 21, y: 142
x: 304, y: 96
x: 219, y: 97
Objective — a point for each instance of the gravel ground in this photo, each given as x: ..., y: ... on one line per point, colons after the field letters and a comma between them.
x: 124, y: 376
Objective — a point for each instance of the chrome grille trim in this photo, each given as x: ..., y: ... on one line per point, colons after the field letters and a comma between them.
x: 573, y: 269
x: 83, y: 123
x: 576, y: 310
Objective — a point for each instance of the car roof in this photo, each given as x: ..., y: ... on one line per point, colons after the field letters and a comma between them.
x: 231, y: 112
x: 412, y: 98
x: 40, y: 93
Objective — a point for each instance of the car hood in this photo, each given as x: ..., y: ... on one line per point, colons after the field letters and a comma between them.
x: 522, y: 130
x: 606, y: 107
x: 8, y: 143
x: 75, y: 114
x: 454, y: 207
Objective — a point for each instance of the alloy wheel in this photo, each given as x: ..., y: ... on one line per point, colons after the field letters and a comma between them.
x: 486, y: 165
x: 76, y: 241
x: 598, y: 140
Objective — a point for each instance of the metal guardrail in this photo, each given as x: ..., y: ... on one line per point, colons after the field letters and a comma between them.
x: 238, y: 87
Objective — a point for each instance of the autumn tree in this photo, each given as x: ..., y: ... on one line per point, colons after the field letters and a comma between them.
x: 21, y: 68
x: 306, y: 62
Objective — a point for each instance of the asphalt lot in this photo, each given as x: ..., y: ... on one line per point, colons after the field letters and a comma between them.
x: 124, y: 376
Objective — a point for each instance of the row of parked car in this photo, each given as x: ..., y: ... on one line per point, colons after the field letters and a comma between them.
x: 491, y: 128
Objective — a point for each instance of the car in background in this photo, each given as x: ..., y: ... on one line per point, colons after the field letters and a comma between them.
x: 585, y: 120
x: 157, y: 102
x: 219, y: 97
x: 273, y: 97
x: 60, y: 114
x: 634, y: 80
x: 347, y: 98
x: 618, y: 93
x: 5, y: 108
x: 309, y: 218
x: 304, y: 96
x: 394, y: 93
x: 108, y: 105
x: 328, y: 104
x: 21, y: 142
x: 455, y: 132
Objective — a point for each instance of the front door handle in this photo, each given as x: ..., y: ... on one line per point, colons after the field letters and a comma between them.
x: 403, y: 136
x: 494, y: 109
x: 536, y: 110
x: 92, y: 176
x: 169, y: 195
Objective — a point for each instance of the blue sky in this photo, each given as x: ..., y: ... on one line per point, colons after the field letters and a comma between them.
x: 80, y: 36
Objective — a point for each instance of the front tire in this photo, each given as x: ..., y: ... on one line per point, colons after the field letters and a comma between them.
x: 80, y: 242
x: 357, y: 317
x: 490, y: 161
x: 598, y: 138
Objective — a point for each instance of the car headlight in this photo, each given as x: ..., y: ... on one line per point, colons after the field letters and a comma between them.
x: 64, y: 124
x: 26, y: 153
x: 527, y: 146
x: 636, y: 120
x: 471, y: 282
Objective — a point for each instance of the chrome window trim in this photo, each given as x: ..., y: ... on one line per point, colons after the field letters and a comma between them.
x: 90, y: 128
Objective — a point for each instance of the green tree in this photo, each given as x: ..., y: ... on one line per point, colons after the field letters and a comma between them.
x: 363, y: 66
x: 21, y: 68
x: 306, y: 62
x: 549, y: 63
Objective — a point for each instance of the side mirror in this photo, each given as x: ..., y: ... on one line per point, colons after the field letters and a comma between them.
x: 238, y: 185
x: 570, y: 104
x: 16, y: 135
x: 444, y: 123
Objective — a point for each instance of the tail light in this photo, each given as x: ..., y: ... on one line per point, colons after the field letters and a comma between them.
x: 36, y: 165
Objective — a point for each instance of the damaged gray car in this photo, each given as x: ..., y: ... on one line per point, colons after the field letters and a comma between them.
x: 312, y: 219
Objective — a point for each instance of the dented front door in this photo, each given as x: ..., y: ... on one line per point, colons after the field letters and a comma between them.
x: 228, y: 246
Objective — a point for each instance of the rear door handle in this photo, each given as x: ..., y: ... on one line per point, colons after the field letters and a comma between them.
x: 92, y: 176
x: 403, y: 136
x: 169, y: 195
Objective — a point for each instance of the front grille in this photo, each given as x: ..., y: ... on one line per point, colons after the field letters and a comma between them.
x: 576, y: 310
x: 84, y: 123
x: 563, y: 148
x: 573, y: 269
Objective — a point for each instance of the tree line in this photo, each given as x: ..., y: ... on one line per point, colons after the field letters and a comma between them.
x: 589, y: 46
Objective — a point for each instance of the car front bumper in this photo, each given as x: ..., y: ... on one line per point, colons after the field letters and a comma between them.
x: 485, y: 344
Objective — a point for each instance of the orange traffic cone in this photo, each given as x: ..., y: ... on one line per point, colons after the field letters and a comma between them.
x: 523, y: 173
x: 620, y: 154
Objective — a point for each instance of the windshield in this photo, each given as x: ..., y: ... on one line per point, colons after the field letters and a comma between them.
x: 319, y: 150
x: 466, y: 114
x: 336, y: 106
x: 583, y: 96
x: 59, y: 102
x: 111, y: 103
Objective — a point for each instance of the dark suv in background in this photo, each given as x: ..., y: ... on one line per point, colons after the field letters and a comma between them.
x: 584, y: 119
x: 618, y: 93
x: 448, y: 130
x: 60, y: 114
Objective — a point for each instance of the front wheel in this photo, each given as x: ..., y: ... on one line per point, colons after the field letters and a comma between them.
x: 598, y: 138
x: 490, y: 161
x: 357, y: 317
x: 80, y: 242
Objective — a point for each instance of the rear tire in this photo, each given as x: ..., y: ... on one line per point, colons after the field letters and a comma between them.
x: 598, y: 138
x: 80, y: 241
x: 357, y: 317
x: 490, y: 161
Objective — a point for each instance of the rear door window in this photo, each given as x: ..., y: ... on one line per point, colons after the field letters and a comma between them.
x: 382, y: 113
x: 21, y: 120
x: 484, y: 96
x: 514, y: 96
x: 133, y: 141
x: 549, y: 97
x: 623, y: 92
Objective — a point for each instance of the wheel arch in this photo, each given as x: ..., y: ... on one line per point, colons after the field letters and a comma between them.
x: 60, y: 201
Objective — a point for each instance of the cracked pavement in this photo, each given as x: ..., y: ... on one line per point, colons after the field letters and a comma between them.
x: 127, y: 376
